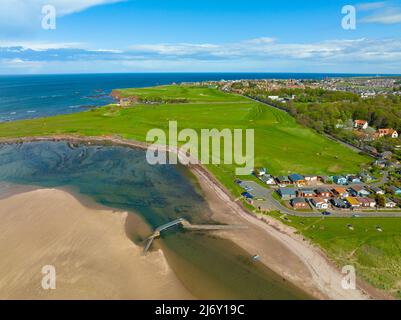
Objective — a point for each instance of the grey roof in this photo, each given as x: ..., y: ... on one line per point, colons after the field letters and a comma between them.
x: 299, y: 200
x: 339, y: 202
x: 287, y: 191
x: 296, y: 177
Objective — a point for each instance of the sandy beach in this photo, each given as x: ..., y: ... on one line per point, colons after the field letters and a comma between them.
x: 93, y: 257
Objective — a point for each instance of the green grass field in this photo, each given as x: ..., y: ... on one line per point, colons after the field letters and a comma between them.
x: 192, y: 94
x: 281, y: 144
x: 375, y: 255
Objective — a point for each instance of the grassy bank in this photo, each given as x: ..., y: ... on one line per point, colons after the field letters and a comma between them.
x: 371, y: 245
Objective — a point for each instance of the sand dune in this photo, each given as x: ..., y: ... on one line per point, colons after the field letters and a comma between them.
x: 92, y: 255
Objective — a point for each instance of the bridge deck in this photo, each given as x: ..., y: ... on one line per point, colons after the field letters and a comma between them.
x: 186, y: 225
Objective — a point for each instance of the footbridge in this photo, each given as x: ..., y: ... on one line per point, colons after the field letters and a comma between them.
x: 188, y: 226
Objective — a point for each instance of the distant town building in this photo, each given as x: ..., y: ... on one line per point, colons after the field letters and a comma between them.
x: 361, y: 124
x: 387, y: 133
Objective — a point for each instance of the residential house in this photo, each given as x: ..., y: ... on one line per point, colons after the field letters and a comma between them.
x: 395, y: 190
x: 297, y: 179
x: 339, y: 203
x: 341, y: 180
x: 366, y: 202
x: 390, y: 203
x: 353, y: 202
x: 306, y: 193
x: 283, y: 181
x: 319, y: 203
x: 268, y: 179
x: 387, y: 133
x: 323, y: 193
x: 311, y: 179
x: 354, y: 179
x: 287, y: 193
x: 358, y: 191
x: 377, y: 190
x: 340, y: 192
x: 299, y: 203
x: 261, y: 172
x: 361, y: 124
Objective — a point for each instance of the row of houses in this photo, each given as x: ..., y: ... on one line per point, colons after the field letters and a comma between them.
x: 342, y: 198
x: 301, y: 180
x: 347, y: 203
x: 337, y: 192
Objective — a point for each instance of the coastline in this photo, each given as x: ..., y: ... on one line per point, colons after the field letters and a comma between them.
x: 281, y: 249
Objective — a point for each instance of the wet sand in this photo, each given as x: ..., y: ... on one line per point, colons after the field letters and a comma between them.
x: 93, y: 257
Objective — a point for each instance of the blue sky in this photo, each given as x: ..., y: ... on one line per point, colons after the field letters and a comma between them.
x: 199, y: 36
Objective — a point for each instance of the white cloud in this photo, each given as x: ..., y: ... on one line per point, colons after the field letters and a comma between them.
x: 18, y: 16
x: 390, y: 16
x: 370, y: 5
x: 260, y: 49
x: 349, y: 55
x: 40, y: 46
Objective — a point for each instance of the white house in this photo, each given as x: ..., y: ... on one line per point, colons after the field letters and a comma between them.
x: 320, y: 203
x: 390, y: 204
x: 268, y: 179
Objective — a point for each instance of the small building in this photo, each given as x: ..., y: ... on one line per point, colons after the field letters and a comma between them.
x: 299, y: 203
x: 353, y: 202
x: 287, y: 193
x: 339, y: 203
x: 390, y: 203
x: 319, y: 203
x: 358, y: 191
x: 366, y: 202
x: 306, y: 193
x: 283, y: 180
x: 340, y: 192
x: 261, y: 172
x: 354, y: 179
x: 395, y: 190
x: 297, y: 179
x: 310, y: 179
x: 268, y: 179
x: 377, y: 190
x: 323, y: 193
x: 361, y: 124
x: 387, y: 133
x: 341, y: 180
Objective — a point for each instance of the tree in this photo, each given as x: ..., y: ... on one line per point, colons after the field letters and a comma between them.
x: 380, y: 200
